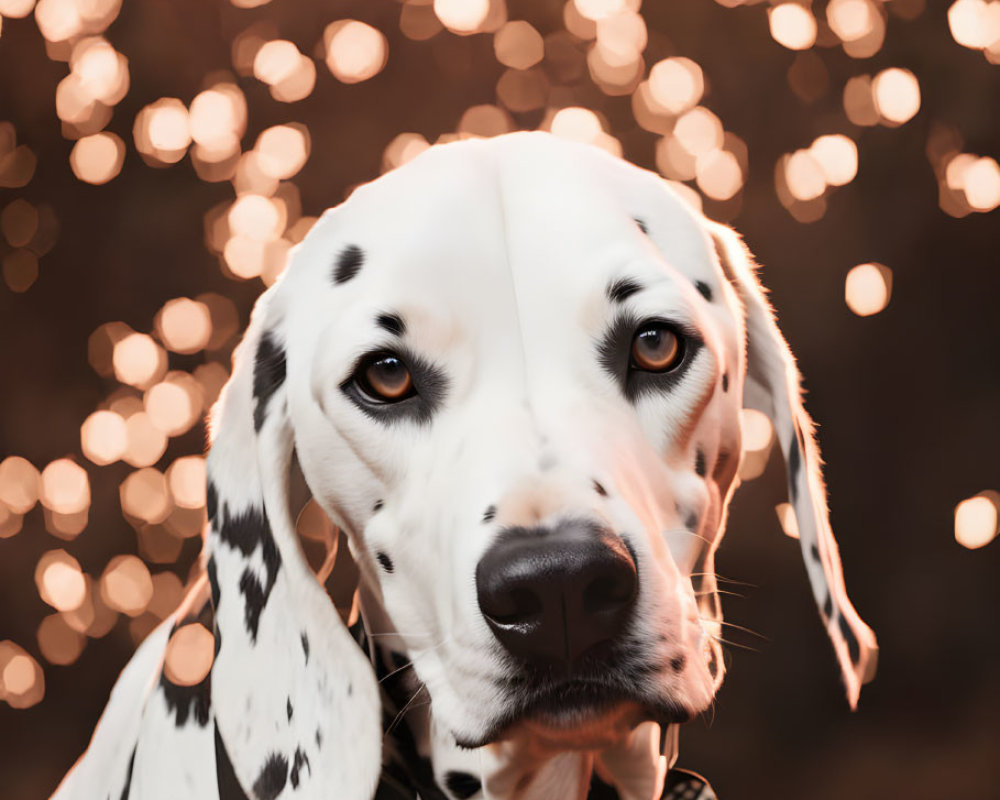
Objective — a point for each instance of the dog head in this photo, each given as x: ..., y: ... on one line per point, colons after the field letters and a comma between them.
x: 511, y: 372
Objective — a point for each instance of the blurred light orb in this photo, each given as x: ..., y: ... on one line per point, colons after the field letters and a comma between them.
x: 804, y: 176
x: 976, y: 521
x: 897, y: 94
x: 168, y: 128
x: 792, y: 26
x: 974, y: 24
x: 599, y: 9
x: 189, y: 655
x: 244, y: 256
x: 65, y: 487
x: 146, y: 442
x: 850, y: 20
x: 485, y: 120
x: 186, y: 478
x: 298, y: 85
x: 699, y: 131
x: 98, y: 158
x: 215, y: 119
x: 58, y: 20
x: 676, y: 84
x: 867, y: 289
x: 718, y: 174
x: 22, y: 682
x: 837, y: 156
x: 16, y: 9
x: 184, y: 325
x: 282, y: 150
x: 249, y: 3
x: 59, y: 643
x: 60, y: 580
x: 577, y: 124
x: 20, y: 270
x: 170, y: 408
x: 403, y: 148
x: 981, y: 184
x: 276, y: 61
x: 255, y: 217
x: 136, y: 359
x: 126, y: 585
x: 20, y: 484
x: 621, y: 38
x: 758, y: 432
x: 103, y: 437
x: 167, y: 594
x: 786, y: 517
x: 859, y: 102
x: 102, y: 70
x: 462, y: 16
x: 355, y: 51
x: 19, y: 222
x: 519, y: 45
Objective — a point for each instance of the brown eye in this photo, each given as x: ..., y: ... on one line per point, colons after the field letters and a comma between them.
x: 655, y: 348
x: 386, y: 378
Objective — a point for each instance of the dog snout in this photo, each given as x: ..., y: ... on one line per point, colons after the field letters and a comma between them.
x: 551, y: 595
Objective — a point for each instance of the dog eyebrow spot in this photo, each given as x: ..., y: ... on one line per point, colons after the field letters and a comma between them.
x: 348, y: 263
x: 392, y: 323
x: 622, y: 289
x: 268, y: 375
x: 489, y: 514
x: 677, y: 663
x: 599, y: 488
x: 725, y: 381
x: 704, y: 290
x: 385, y: 561
x: 378, y: 505
x: 461, y: 784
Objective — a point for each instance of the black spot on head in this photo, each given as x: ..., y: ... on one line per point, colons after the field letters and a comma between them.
x: 704, y: 290
x: 641, y: 224
x: 300, y: 760
x: 725, y: 381
x: 392, y: 323
x: 268, y: 375
x: 827, y: 606
x: 305, y: 645
x: 794, y: 466
x: 225, y: 775
x: 489, y: 514
x: 814, y: 552
x: 599, y: 488
x: 677, y: 663
x: 272, y: 777
x: 622, y: 289
x: 378, y: 506
x: 385, y: 561
x: 699, y: 463
x: 853, y: 648
x: 348, y: 263
x: 461, y: 784
x: 288, y: 708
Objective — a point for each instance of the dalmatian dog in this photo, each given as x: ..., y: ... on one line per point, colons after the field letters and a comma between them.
x: 511, y: 373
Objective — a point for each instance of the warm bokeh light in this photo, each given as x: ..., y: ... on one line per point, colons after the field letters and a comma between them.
x: 20, y: 270
x: 144, y: 495
x: 126, y: 585
x: 282, y: 150
x: 103, y: 437
x: 138, y: 360
x: 20, y: 484
x: 804, y: 176
x: 792, y: 26
x: 97, y: 159
x: 146, y: 442
x: 65, y: 487
x: 355, y: 51
x: 699, y: 131
x: 786, y: 517
x: 60, y: 644
x: 599, y: 9
x: 19, y: 222
x: 576, y: 124
x: 255, y: 217
x: 976, y: 520
x: 60, y: 580
x: 897, y: 94
x: 189, y: 654
x: 676, y: 84
x: 981, y: 184
x: 758, y: 436
x: 186, y: 478
x: 519, y: 45
x: 184, y: 325
x: 868, y: 288
x: 462, y: 16
x: 22, y: 682
x: 171, y: 407
x: 851, y: 20
x: 718, y: 174
x: 837, y: 156
x: 974, y: 23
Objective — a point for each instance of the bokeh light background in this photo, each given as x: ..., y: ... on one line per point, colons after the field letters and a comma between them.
x: 159, y: 159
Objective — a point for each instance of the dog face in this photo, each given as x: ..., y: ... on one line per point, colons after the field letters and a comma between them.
x: 514, y: 376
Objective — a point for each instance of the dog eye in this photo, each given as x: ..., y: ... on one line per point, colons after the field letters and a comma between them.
x: 385, y: 378
x: 656, y: 348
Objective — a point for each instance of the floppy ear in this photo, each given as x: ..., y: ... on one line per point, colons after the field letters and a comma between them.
x: 295, y: 698
x: 771, y: 385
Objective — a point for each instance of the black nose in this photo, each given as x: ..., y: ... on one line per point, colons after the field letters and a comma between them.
x: 551, y: 594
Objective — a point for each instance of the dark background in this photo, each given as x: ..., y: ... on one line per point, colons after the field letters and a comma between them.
x: 907, y: 400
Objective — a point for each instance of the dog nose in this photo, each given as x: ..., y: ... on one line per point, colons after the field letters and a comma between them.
x: 552, y: 594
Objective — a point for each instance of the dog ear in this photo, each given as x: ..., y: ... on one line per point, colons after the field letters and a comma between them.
x: 771, y: 385
x: 295, y: 697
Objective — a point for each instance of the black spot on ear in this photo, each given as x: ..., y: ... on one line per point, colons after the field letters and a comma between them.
x: 814, y: 552
x: 272, y: 777
x: 599, y: 488
x: 188, y: 702
x: 794, y: 466
x: 246, y: 532
x: 300, y: 760
x: 642, y: 225
x: 622, y: 289
x: 268, y: 375
x: 288, y: 708
x: 392, y: 323
x: 461, y: 784
x: 853, y: 648
x: 677, y: 663
x: 699, y: 463
x: 211, y: 500
x: 385, y: 561
x: 378, y: 506
x: 128, y: 777
x: 225, y: 775
x: 305, y: 645
x: 827, y: 606
x: 725, y: 381
x: 348, y: 263
x: 704, y: 290
x: 489, y: 514
x: 213, y: 582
